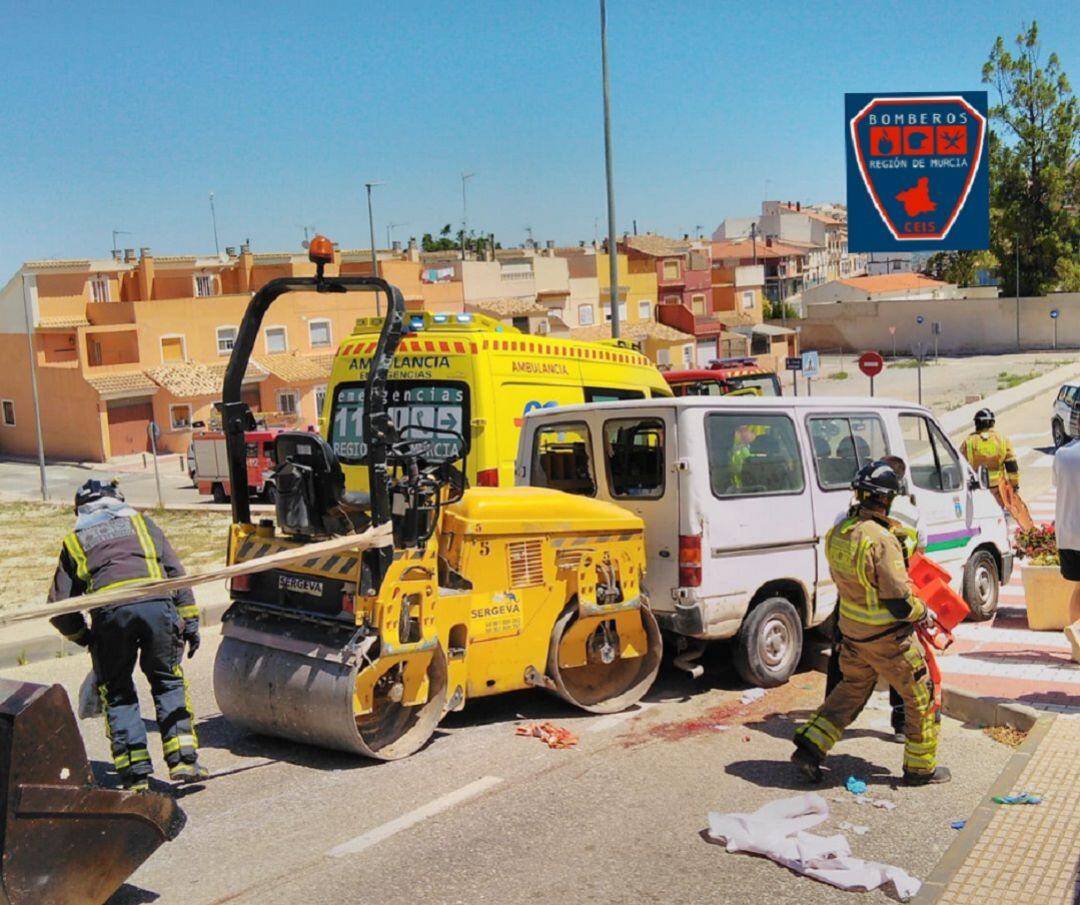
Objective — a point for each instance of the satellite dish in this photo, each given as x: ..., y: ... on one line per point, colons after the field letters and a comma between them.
x: 305, y: 244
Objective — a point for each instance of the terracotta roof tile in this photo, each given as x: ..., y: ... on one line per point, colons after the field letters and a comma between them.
x: 656, y: 246
x: 195, y: 379
x: 501, y: 308
x: 646, y: 330
x: 131, y: 382
x: 893, y: 282
x: 53, y: 323
x: 293, y: 367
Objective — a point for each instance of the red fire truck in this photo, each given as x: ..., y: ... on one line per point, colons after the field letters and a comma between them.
x: 211, y: 464
x: 725, y: 377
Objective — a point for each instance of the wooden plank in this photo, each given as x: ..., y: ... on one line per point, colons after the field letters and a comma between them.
x: 381, y: 536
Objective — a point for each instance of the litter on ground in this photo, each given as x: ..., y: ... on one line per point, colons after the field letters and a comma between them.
x: 958, y: 824
x: 550, y: 735
x: 1022, y: 798
x: 855, y: 828
x: 856, y: 786
x: 882, y: 803
x: 778, y: 830
x: 751, y: 695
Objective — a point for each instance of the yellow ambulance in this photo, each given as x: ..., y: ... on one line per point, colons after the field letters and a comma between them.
x: 474, y: 379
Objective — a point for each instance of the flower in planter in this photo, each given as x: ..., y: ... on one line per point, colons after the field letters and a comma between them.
x: 1038, y: 545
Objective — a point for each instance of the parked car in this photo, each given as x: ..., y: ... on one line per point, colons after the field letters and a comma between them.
x: 211, y: 462
x: 737, y: 494
x: 1065, y: 422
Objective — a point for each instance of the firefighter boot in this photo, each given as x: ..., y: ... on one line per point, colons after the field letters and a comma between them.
x: 940, y: 775
x: 186, y: 772
x: 808, y: 763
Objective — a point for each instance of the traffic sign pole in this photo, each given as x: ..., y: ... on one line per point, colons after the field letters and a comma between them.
x: 153, y: 430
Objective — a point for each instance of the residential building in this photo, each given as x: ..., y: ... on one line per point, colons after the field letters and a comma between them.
x: 893, y: 286
x: 879, y: 263
x: 123, y: 342
x: 668, y: 347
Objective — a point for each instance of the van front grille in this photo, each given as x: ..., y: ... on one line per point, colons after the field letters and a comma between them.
x: 526, y: 563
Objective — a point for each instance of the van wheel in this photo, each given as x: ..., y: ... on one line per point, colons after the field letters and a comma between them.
x: 218, y: 490
x: 981, y: 584
x: 1057, y: 431
x: 770, y: 643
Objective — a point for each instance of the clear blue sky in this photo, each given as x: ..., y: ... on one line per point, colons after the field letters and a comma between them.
x: 125, y: 116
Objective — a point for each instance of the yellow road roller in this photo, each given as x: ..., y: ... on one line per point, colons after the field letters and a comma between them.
x: 482, y: 590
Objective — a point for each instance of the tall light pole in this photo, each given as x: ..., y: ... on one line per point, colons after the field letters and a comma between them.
x: 465, y: 177
x: 213, y: 218
x: 613, y: 249
x: 1016, y: 242
x: 34, y: 386
x: 371, y: 226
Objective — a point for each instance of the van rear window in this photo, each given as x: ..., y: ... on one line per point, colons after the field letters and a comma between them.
x: 562, y: 458
x: 436, y: 410
x: 753, y: 455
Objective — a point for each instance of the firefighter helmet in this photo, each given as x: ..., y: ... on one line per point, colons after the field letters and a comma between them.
x: 877, y: 479
x: 94, y: 490
x: 984, y: 419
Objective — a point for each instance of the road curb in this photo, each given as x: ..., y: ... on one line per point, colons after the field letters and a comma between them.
x: 50, y: 644
x: 976, y: 825
x: 987, y: 712
x: 960, y: 419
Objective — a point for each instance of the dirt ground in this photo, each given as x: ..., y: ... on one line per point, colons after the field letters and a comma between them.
x: 33, y: 532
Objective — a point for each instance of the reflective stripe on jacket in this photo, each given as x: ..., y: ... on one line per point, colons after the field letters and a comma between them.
x: 992, y: 450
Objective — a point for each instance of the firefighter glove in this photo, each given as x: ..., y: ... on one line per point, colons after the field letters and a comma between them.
x: 191, y: 636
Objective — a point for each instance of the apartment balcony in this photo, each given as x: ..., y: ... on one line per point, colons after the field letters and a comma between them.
x: 701, y: 326
x: 106, y: 314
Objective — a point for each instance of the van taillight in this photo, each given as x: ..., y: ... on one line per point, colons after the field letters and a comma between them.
x: 689, y: 560
x: 489, y: 477
x: 240, y: 583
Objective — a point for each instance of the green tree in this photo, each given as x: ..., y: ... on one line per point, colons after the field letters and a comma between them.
x: 1035, y: 128
x: 959, y: 267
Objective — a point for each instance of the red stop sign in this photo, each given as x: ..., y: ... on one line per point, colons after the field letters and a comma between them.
x: 871, y: 364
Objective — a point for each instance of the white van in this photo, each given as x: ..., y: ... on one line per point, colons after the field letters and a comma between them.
x: 737, y: 494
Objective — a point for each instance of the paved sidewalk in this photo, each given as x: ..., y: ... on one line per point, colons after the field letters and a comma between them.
x: 1004, y: 659
x: 1021, y: 853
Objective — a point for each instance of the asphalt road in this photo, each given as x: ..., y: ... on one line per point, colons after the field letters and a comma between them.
x: 481, y: 815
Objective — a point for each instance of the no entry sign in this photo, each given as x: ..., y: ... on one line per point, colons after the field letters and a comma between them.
x: 917, y: 171
x: 871, y: 364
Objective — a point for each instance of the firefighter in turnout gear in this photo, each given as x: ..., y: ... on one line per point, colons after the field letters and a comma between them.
x: 113, y: 545
x: 877, y: 618
x: 984, y: 446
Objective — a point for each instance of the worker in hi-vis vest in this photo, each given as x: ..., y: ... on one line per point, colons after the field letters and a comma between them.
x: 878, y: 614
x: 984, y: 446
x: 113, y: 545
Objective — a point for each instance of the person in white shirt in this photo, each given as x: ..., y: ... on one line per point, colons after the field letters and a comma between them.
x: 1066, y: 476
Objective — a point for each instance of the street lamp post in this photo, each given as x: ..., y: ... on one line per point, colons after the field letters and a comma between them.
x: 34, y: 386
x: 213, y: 219
x: 1016, y: 242
x: 371, y: 228
x: 465, y: 177
x: 613, y: 248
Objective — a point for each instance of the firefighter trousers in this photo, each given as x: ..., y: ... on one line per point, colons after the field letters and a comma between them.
x: 150, y: 632
x: 833, y: 676
x: 898, y: 659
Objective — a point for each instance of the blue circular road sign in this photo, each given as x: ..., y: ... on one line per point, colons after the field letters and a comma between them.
x: 1054, y: 313
x: 919, y: 319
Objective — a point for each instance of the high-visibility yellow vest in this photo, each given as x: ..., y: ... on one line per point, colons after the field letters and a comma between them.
x: 990, y: 449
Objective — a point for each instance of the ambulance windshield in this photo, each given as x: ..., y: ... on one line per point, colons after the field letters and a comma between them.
x: 419, y: 409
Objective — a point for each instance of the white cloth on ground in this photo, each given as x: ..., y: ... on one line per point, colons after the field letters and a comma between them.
x: 778, y: 831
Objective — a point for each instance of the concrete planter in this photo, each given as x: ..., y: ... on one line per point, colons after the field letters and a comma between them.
x: 1047, y: 595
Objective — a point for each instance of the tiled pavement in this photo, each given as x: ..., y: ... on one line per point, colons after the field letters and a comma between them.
x: 1021, y: 853
x: 1004, y: 659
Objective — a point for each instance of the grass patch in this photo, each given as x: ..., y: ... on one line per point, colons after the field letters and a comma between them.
x: 838, y: 375
x: 910, y: 363
x: 1007, y: 380
x: 33, y: 533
